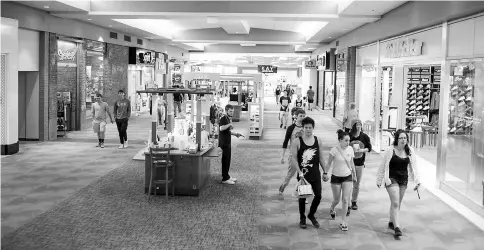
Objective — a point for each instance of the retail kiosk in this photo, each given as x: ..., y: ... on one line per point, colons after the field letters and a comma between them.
x: 248, y: 87
x: 191, y: 145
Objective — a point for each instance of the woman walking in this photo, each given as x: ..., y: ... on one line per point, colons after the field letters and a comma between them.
x: 398, y: 165
x: 361, y: 145
x: 343, y: 175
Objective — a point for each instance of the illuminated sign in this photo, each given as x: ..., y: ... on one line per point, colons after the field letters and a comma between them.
x: 311, y: 64
x: 266, y: 69
x: 404, y: 47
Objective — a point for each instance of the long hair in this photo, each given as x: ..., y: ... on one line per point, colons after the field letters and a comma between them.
x: 395, y: 140
x: 353, y: 130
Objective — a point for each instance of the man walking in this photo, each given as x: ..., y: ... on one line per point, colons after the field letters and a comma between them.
x: 293, y: 132
x: 225, y: 141
x: 307, y: 156
x: 122, y: 112
x: 310, y: 95
x: 178, y: 99
x: 99, y: 110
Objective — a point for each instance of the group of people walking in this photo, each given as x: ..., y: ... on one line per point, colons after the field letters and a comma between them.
x: 344, y: 169
x: 283, y: 99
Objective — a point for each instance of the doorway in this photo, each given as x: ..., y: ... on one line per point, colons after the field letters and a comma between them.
x: 28, y: 105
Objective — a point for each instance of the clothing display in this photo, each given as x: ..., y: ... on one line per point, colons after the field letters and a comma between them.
x: 461, y: 103
x: 423, y: 95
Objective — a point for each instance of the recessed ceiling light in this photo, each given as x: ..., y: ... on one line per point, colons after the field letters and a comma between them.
x: 89, y: 19
x: 46, y: 7
x: 344, y: 29
x: 110, y: 26
x: 329, y: 37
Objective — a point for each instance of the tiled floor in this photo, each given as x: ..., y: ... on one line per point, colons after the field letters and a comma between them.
x: 44, y: 174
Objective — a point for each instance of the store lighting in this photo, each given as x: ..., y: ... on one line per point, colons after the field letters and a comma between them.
x: 89, y: 19
x: 46, y: 7
x: 110, y: 25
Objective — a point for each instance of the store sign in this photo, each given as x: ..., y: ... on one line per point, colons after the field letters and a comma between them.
x: 404, y: 47
x: 66, y: 52
x: 145, y: 57
x: 311, y: 64
x: 266, y: 69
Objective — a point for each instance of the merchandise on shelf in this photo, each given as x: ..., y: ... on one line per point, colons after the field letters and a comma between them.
x: 461, y: 103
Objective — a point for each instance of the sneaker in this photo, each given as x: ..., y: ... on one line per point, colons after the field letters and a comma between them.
x: 398, y: 232
x: 230, y: 182
x: 121, y: 146
x: 102, y: 145
x: 233, y: 179
x: 419, y: 97
x: 281, y: 189
x: 462, y: 98
x: 412, y: 102
x: 354, y: 206
x: 454, y: 88
x: 461, y: 104
x: 126, y: 144
x: 343, y: 226
x: 469, y: 98
x: 426, y: 108
x: 419, y: 107
x: 391, y: 226
x: 314, y: 221
x: 302, y: 224
x: 332, y: 213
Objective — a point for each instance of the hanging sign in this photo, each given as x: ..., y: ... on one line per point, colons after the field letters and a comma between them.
x: 66, y: 53
x: 266, y: 69
x: 311, y: 64
x: 403, y: 47
x: 145, y: 57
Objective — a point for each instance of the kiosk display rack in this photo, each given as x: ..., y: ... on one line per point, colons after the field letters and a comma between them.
x: 256, y: 111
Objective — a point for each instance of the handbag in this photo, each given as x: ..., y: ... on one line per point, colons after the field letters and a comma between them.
x: 346, y: 160
x: 304, y: 189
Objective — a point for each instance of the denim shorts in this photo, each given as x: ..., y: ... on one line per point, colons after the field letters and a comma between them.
x: 339, y: 180
x: 398, y: 182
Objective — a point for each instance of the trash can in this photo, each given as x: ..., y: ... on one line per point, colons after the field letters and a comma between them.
x: 237, y: 111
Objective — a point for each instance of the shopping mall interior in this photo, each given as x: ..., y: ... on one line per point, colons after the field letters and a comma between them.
x: 167, y: 70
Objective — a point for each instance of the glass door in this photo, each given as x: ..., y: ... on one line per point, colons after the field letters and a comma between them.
x: 464, y: 159
x: 328, y: 90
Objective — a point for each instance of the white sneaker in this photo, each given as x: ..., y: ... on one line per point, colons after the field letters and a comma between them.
x: 121, y: 146
x: 229, y: 181
x: 126, y: 144
x: 233, y: 179
x: 102, y: 145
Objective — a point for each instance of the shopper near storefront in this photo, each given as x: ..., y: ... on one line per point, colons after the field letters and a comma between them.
x: 361, y: 145
x: 293, y: 132
x: 348, y: 117
x: 122, y: 113
x: 178, y: 99
x: 343, y: 176
x: 225, y: 141
x: 307, y: 153
x: 278, y: 94
x: 284, y: 110
x: 99, y: 110
x: 310, y: 96
x: 398, y: 166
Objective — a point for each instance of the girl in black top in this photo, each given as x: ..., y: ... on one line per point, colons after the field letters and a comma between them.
x: 357, y: 137
x: 308, y: 155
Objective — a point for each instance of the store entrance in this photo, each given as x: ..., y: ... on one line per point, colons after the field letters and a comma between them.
x: 28, y: 105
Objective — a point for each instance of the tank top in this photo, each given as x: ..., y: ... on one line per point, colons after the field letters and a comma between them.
x: 298, y: 103
x: 398, y: 168
x: 308, y: 160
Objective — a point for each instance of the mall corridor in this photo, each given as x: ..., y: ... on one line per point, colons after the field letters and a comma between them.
x: 94, y: 200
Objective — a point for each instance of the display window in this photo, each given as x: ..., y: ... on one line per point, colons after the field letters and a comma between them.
x: 328, y: 90
x: 367, y: 99
x: 464, y: 159
x: 339, y: 103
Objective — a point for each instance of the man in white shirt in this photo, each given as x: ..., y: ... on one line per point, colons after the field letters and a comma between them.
x: 99, y: 110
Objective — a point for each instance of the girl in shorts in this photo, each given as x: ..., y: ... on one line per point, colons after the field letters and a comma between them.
x: 398, y: 165
x: 343, y: 175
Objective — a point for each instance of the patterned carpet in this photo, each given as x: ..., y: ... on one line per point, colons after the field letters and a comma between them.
x: 112, y: 213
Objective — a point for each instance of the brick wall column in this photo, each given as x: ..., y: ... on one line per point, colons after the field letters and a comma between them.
x: 81, y: 83
x: 116, y: 61
x: 52, y: 86
x: 44, y: 86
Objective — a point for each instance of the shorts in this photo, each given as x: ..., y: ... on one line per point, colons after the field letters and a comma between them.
x: 339, y: 180
x: 99, y: 127
x: 401, y: 182
x: 310, y: 100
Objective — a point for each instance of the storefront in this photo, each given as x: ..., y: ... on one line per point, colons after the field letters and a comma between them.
x: 141, y: 75
x: 436, y: 94
x: 94, y: 76
x: 326, y: 81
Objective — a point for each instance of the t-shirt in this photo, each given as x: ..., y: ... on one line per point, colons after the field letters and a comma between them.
x: 340, y: 167
x: 177, y: 97
x: 224, y: 137
x: 299, y: 103
x: 122, y: 109
x: 292, y: 133
x: 278, y: 91
x: 361, y: 139
x: 310, y: 94
x: 99, y: 111
x: 284, y: 100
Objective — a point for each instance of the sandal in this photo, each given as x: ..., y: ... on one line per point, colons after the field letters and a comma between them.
x: 343, y: 226
x: 332, y: 213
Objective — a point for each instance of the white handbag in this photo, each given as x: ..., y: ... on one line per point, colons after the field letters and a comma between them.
x: 304, y: 189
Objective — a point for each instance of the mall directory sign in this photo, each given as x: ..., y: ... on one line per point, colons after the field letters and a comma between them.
x: 267, y: 69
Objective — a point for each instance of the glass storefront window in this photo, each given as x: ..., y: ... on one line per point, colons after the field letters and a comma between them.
x: 340, y: 95
x: 328, y: 90
x: 94, y: 73
x: 367, y: 100
x: 465, y: 139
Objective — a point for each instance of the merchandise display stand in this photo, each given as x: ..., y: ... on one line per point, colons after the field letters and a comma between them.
x: 256, y: 118
x: 192, y: 169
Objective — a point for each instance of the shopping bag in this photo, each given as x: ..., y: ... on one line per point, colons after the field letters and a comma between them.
x: 304, y: 189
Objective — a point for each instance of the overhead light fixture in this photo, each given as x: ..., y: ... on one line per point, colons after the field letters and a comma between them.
x: 329, y: 37
x: 89, y: 19
x: 248, y: 44
x: 110, y: 26
x: 344, y: 29
x: 46, y: 7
